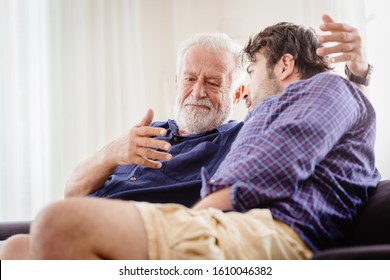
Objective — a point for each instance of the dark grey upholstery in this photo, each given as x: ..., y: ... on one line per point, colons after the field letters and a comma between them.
x: 373, y: 224
x: 8, y: 229
x: 371, y: 252
x: 370, y: 238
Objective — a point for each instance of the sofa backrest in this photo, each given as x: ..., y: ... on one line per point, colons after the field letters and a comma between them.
x: 373, y: 223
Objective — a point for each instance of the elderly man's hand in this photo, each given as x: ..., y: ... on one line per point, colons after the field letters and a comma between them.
x: 137, y: 146
x: 349, y: 45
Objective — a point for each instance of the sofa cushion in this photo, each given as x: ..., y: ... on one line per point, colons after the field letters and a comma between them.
x: 8, y: 229
x: 373, y: 223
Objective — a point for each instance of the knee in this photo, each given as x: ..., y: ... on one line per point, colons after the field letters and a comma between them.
x: 15, y: 248
x: 55, y: 228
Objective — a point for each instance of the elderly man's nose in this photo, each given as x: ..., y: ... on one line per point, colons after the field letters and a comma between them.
x: 245, y: 94
x: 199, y: 91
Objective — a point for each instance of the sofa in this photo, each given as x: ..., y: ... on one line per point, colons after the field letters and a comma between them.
x: 369, y: 238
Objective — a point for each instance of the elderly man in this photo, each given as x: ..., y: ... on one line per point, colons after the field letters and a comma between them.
x: 136, y: 166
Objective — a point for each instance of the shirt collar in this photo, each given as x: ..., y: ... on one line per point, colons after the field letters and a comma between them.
x: 175, y: 129
x: 227, y: 126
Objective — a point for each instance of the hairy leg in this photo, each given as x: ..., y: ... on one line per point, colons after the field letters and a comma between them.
x: 16, y: 248
x: 89, y: 228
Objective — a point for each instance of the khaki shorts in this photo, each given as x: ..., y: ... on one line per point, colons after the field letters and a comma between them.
x: 177, y: 232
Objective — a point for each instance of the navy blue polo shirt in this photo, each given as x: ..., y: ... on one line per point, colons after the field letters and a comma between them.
x: 178, y: 180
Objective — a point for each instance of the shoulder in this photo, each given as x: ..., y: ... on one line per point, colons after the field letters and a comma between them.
x: 324, y: 87
x: 323, y: 82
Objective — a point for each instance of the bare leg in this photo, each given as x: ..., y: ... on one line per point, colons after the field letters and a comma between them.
x: 16, y: 248
x: 89, y: 228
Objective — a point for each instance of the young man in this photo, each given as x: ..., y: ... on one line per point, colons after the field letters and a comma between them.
x: 293, y: 182
x: 130, y: 168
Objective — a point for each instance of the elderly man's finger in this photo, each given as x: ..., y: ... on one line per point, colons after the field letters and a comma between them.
x: 147, y: 119
x: 340, y: 48
x: 153, y: 143
x: 153, y: 154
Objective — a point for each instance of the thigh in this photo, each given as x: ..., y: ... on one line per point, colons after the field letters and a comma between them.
x: 120, y: 233
x: 88, y: 228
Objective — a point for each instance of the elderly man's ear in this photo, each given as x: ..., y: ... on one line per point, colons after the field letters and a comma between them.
x: 239, y: 92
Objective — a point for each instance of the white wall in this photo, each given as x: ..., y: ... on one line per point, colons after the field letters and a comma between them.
x: 378, y: 41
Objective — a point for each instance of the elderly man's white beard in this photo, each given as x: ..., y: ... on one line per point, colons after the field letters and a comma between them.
x: 195, y: 120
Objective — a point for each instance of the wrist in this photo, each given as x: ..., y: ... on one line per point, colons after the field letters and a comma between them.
x: 104, y: 158
x: 361, y: 80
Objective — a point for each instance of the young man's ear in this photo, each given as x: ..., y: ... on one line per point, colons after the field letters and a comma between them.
x: 237, y: 95
x: 286, y: 66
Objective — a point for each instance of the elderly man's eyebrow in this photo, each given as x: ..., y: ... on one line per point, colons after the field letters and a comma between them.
x: 189, y: 73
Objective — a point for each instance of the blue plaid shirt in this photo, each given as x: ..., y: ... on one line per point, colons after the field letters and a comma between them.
x: 308, y: 156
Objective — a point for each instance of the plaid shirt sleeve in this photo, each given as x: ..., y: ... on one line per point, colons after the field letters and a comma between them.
x: 284, y: 138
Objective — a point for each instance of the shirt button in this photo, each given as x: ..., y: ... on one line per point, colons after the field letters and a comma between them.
x: 176, y: 139
x: 133, y: 179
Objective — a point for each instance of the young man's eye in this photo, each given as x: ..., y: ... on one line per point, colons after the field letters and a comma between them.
x: 249, y: 70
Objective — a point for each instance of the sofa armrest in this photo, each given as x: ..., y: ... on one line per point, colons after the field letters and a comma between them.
x: 8, y: 229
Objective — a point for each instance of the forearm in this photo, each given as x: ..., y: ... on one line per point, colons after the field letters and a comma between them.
x: 219, y: 199
x: 363, y: 88
x: 89, y: 176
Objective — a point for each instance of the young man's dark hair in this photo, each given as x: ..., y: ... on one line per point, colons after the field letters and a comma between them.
x: 285, y: 37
